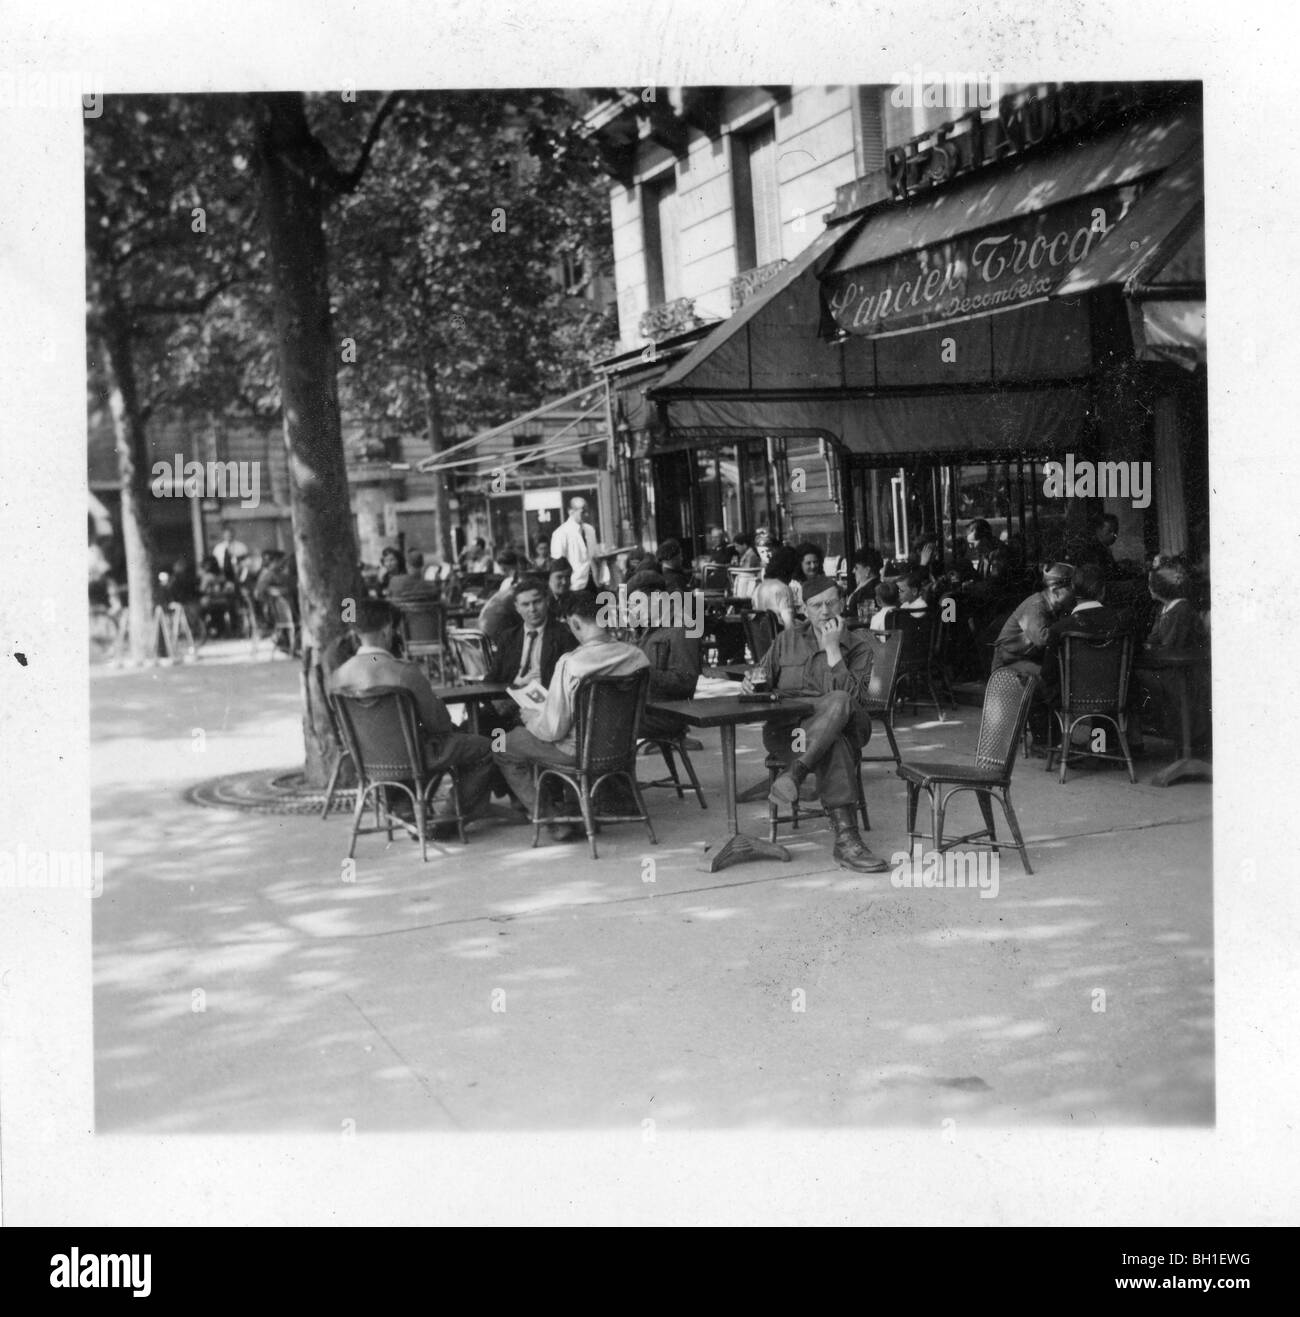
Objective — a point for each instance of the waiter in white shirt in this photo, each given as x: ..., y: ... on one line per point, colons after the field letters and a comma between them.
x: 576, y: 541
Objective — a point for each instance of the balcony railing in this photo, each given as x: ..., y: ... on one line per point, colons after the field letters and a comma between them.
x: 669, y: 318
x: 746, y: 284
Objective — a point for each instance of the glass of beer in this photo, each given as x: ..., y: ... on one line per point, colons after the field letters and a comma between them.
x: 758, y: 680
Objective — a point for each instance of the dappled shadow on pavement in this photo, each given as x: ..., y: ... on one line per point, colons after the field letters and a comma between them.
x: 246, y: 981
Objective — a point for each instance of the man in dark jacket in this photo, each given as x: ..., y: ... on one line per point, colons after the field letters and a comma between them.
x: 528, y: 651
x: 1090, y: 614
x: 1023, y: 637
x: 674, y: 655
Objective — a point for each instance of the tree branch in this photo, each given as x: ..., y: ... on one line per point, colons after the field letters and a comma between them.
x: 342, y: 181
x: 188, y: 306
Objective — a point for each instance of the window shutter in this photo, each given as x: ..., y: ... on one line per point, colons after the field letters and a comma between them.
x: 767, y: 203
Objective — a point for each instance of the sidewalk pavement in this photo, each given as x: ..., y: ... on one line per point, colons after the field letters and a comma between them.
x: 241, y: 984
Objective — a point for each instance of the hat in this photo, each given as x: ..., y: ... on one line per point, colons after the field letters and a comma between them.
x: 816, y: 585
x: 1059, y: 573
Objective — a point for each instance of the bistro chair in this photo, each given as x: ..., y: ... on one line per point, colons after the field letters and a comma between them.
x: 381, y: 730
x: 760, y: 633
x: 320, y: 691
x: 668, y: 746
x: 775, y: 765
x: 1094, y: 685
x: 284, y: 624
x: 882, y: 688
x: 422, y: 625
x: 743, y: 581
x: 714, y: 577
x: 471, y: 651
x: 915, y: 664
x: 1006, y: 707
x: 606, y: 716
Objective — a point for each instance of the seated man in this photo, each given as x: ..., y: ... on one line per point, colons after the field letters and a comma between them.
x: 412, y: 587
x: 885, y: 618
x: 911, y: 592
x: 1023, y: 638
x: 528, y: 651
x: 866, y: 576
x: 446, y: 747
x: 674, y: 656
x: 672, y: 567
x: 1089, y: 614
x: 822, y: 658
x: 980, y: 546
x: 499, y: 615
x: 718, y: 550
x: 546, y: 736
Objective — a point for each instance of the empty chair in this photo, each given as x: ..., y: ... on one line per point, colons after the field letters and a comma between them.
x: 422, y: 625
x: 283, y: 622
x: 760, y: 632
x: 381, y: 729
x: 1006, y: 708
x: 882, y: 688
x: 471, y: 651
x: 607, y: 712
x: 915, y: 664
x: 743, y: 581
x: 713, y: 576
x: 1094, y: 685
x: 669, y: 747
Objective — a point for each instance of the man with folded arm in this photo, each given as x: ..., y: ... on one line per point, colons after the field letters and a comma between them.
x: 446, y: 747
x: 822, y: 659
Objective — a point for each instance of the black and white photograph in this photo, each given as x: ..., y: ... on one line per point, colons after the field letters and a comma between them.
x: 646, y: 608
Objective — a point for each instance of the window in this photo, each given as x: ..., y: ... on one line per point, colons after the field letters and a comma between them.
x: 757, y: 205
x: 659, y: 224
x: 869, y: 128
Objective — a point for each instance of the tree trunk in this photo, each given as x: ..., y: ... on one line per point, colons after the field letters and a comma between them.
x: 434, y: 430
x: 133, y: 468
x: 292, y: 164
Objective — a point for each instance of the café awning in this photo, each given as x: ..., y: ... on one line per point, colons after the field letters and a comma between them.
x: 1144, y: 248
x: 1157, y: 257
x: 1002, y: 240
x: 772, y: 341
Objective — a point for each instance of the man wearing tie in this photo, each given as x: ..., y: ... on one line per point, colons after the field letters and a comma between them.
x: 576, y: 541
x: 527, y: 652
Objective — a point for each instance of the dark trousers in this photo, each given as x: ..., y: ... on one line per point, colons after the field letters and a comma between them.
x: 661, y: 726
x: 471, y: 757
x: 833, y: 739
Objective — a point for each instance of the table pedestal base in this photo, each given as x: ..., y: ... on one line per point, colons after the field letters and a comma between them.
x: 1183, y: 770
x: 741, y: 847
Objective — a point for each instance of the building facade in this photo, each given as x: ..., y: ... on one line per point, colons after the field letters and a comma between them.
x: 892, y: 318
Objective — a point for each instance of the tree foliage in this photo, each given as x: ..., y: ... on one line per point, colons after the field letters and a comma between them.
x: 449, y: 256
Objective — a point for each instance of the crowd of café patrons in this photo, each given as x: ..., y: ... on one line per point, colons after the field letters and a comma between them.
x: 545, y: 617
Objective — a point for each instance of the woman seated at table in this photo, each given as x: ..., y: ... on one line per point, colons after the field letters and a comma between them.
x: 1177, y: 632
x: 811, y: 562
x: 774, y: 594
x: 746, y: 555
